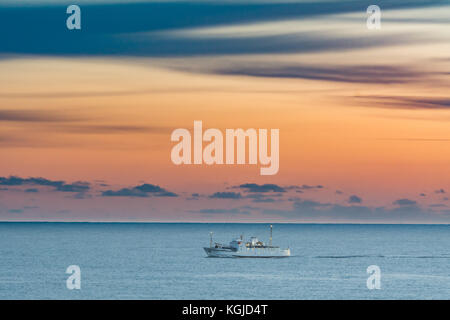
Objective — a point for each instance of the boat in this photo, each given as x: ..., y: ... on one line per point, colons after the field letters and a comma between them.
x: 253, y: 248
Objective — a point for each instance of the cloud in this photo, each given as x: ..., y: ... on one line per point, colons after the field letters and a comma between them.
x: 56, y: 121
x: 15, y: 211
x: 74, y: 187
x: 354, y: 199
x: 109, y: 30
x: 17, y: 181
x: 264, y: 200
x: 405, y: 202
x: 309, y: 204
x: 440, y: 191
x: 260, y: 198
x: 166, y: 194
x: 265, y: 197
x: 194, y: 196
x: 336, y: 73
x: 262, y: 193
x: 253, y: 187
x: 58, y: 185
x: 305, y: 187
x: 142, y: 191
x: 222, y: 211
x: 407, y: 102
x: 82, y: 195
x: 77, y: 94
x: 310, y: 210
x: 125, y: 192
x: 22, y: 210
x: 438, y: 205
x: 149, y: 188
x: 226, y: 195
x: 36, y: 116
x: 258, y: 193
x: 31, y: 190
x: 110, y: 129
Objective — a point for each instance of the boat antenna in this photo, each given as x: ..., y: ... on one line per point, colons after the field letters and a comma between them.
x: 270, y: 239
x: 210, y: 239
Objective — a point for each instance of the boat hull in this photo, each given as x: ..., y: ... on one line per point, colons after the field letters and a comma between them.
x: 248, y: 253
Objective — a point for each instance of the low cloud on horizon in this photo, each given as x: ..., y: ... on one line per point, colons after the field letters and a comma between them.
x: 270, y: 199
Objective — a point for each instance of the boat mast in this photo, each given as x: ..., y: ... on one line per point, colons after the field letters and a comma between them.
x: 270, y: 239
x: 210, y: 239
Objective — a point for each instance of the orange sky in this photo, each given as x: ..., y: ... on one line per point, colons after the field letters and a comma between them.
x: 110, y: 119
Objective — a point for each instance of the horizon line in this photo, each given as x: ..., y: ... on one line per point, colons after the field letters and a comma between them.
x: 218, y: 222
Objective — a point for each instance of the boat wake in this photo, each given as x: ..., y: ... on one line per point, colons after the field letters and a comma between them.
x: 443, y: 256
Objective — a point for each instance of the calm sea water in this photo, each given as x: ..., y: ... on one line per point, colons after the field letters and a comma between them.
x: 166, y: 261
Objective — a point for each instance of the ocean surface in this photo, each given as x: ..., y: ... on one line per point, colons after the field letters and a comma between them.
x: 167, y: 261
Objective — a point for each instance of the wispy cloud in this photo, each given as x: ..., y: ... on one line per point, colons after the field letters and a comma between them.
x: 108, y: 30
x: 110, y: 129
x: 406, y: 102
x: 37, y: 116
x: 384, y: 74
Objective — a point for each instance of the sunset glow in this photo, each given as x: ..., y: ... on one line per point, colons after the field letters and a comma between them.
x: 361, y: 113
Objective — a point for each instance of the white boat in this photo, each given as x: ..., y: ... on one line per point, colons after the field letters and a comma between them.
x: 238, y: 248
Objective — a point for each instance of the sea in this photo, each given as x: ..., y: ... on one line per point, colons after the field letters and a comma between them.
x: 167, y: 261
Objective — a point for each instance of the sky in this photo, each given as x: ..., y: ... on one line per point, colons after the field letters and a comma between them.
x: 86, y: 115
